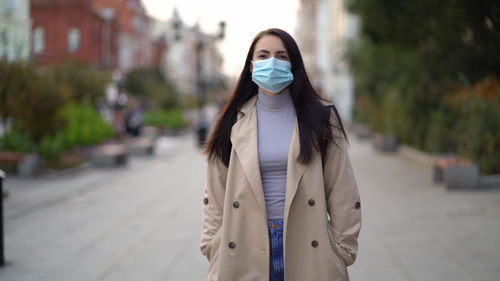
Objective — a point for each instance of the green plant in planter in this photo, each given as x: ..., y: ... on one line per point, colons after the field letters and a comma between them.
x: 478, y: 133
x: 171, y: 118
x: 51, y: 147
x: 440, y: 137
x: 17, y: 141
x: 84, y: 127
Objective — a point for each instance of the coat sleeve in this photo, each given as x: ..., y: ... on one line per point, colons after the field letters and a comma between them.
x: 213, y: 202
x: 343, y: 201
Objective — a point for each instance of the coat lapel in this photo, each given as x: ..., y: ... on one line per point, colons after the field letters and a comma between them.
x: 295, y: 170
x: 244, y: 141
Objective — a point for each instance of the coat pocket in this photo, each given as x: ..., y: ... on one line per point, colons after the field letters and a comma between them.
x: 213, y: 246
x: 334, y: 245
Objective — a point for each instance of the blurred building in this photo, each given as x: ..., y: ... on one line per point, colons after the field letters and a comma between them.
x: 74, y: 30
x: 324, y: 30
x: 180, y: 59
x: 15, y: 28
x: 111, y: 34
x: 306, y: 38
x: 135, y: 43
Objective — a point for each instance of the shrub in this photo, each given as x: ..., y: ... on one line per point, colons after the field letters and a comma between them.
x: 32, y: 99
x: 17, y: 141
x: 478, y: 133
x: 51, y: 147
x: 172, y: 118
x: 84, y: 127
x: 440, y: 137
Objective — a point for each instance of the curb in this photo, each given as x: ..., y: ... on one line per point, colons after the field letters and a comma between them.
x: 50, y: 173
x: 416, y: 155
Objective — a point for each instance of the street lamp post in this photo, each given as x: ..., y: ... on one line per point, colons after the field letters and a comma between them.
x: 2, y: 260
x: 200, y: 88
x: 201, y: 38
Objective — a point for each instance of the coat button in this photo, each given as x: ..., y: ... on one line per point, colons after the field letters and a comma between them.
x: 205, y: 200
x: 357, y: 205
x: 231, y: 245
x: 311, y: 202
x: 314, y: 243
x: 236, y: 204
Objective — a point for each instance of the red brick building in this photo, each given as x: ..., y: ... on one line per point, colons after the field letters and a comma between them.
x: 74, y: 30
x: 136, y: 46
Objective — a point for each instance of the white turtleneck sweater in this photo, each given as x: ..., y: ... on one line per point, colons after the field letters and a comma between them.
x: 275, y: 122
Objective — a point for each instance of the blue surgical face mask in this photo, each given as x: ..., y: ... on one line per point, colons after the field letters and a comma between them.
x: 273, y: 75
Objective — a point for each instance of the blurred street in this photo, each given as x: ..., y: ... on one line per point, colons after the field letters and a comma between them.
x: 143, y: 222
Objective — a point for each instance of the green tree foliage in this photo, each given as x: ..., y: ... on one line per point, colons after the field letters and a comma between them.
x: 17, y: 141
x: 149, y: 83
x: 32, y: 98
x: 412, y: 55
x: 51, y: 109
x: 86, y: 83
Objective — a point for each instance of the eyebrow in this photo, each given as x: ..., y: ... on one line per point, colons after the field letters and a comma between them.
x: 267, y: 52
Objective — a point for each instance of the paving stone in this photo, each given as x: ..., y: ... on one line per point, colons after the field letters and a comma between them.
x: 143, y: 222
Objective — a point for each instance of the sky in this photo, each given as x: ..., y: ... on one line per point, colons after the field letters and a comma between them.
x: 244, y: 19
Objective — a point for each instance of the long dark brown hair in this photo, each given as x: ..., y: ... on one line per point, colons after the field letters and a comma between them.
x: 312, y: 116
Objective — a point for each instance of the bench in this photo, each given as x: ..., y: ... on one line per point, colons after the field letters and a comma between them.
x: 141, y: 146
x: 109, y: 155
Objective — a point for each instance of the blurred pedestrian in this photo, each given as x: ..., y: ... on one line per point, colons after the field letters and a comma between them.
x: 281, y: 199
x: 133, y: 119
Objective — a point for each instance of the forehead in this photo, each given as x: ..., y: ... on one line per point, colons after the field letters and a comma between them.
x: 270, y: 43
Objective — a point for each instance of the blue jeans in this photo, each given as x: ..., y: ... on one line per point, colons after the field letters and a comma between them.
x: 276, y: 266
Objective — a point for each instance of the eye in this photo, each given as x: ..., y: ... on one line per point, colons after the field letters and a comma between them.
x: 262, y: 56
x: 282, y: 57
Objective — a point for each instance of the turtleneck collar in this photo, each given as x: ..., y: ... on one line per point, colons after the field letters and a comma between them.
x: 276, y: 102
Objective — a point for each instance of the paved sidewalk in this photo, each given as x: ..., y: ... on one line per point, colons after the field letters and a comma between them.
x: 416, y: 230
x: 143, y: 222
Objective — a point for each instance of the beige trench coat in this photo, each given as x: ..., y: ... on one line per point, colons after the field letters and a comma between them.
x: 322, y: 215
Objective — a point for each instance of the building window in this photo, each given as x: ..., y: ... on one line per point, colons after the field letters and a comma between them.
x: 73, y: 39
x: 4, y: 48
x: 38, y: 40
x: 9, y: 6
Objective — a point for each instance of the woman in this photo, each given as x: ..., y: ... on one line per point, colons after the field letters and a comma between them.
x: 281, y: 201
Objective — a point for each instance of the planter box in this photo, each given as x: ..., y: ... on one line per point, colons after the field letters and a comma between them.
x: 489, y: 181
x: 385, y: 142
x: 151, y: 132
x: 29, y: 166
x: 462, y: 176
x: 362, y: 132
x: 24, y: 164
